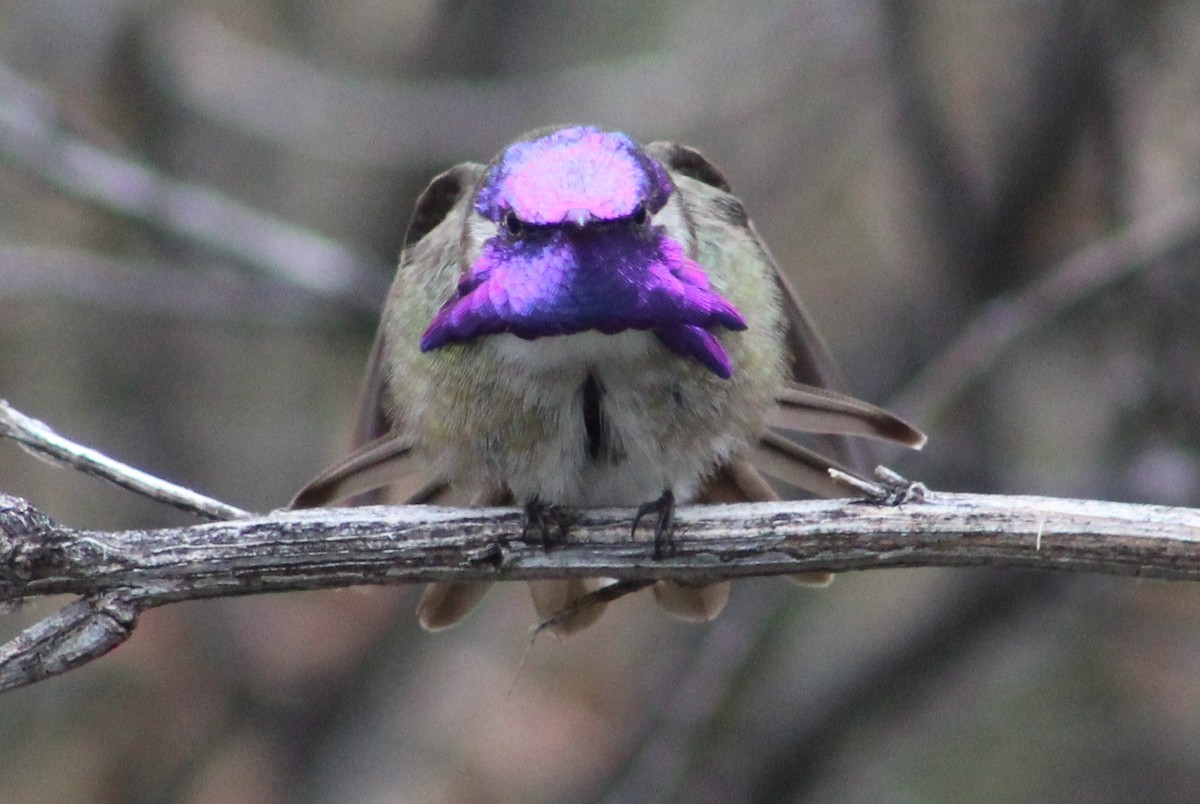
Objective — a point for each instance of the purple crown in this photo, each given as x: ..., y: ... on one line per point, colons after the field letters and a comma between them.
x: 578, y: 168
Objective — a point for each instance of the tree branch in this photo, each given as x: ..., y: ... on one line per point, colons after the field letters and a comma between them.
x: 119, y: 574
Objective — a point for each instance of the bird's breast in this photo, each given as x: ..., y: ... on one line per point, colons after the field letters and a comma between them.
x: 593, y: 420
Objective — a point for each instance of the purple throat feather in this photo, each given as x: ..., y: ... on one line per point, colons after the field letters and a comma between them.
x: 575, y: 250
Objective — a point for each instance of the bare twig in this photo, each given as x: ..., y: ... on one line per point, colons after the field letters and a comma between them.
x: 338, y: 547
x: 38, y: 437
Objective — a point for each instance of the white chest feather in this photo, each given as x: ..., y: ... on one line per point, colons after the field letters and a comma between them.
x: 603, y: 404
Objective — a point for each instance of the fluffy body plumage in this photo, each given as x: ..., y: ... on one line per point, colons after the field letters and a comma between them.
x: 586, y: 322
x: 666, y: 421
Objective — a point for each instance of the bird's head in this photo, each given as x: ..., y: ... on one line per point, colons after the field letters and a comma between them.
x: 574, y: 245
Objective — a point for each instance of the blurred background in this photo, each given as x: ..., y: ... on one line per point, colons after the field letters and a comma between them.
x: 990, y: 208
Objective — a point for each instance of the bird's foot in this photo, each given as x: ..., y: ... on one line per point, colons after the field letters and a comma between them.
x: 664, y: 526
x: 549, y: 522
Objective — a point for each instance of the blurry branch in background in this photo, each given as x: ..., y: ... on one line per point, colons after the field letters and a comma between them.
x: 34, y: 136
x: 898, y: 676
x: 221, y: 74
x: 140, y: 287
x: 288, y: 101
x: 1063, y: 89
x: 1004, y: 322
x: 894, y: 673
x: 120, y: 574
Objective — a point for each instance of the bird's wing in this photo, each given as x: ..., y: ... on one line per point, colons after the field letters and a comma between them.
x: 806, y: 404
x: 812, y: 409
x: 381, y: 453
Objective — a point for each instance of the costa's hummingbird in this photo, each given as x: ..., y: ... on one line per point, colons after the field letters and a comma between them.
x: 588, y: 322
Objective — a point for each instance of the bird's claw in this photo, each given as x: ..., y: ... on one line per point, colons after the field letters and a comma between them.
x: 549, y: 522
x: 664, y: 525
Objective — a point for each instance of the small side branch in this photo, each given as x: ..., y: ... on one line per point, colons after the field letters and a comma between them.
x: 37, y: 437
x: 81, y: 631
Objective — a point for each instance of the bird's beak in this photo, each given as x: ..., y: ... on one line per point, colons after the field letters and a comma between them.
x: 578, y: 217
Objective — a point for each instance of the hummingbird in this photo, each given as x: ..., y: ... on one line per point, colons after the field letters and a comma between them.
x: 589, y: 322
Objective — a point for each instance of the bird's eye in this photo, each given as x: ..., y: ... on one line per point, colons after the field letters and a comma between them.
x: 641, y: 216
x: 512, y: 223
